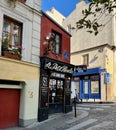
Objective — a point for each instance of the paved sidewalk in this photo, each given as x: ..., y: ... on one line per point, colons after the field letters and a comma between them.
x: 89, y: 117
x: 55, y: 122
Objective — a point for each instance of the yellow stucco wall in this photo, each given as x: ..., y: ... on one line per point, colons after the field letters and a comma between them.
x: 109, y: 67
x: 18, y: 70
x: 28, y: 75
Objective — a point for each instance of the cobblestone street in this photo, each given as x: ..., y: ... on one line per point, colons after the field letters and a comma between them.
x: 89, y: 117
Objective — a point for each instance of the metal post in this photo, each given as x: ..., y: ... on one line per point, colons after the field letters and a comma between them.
x: 75, y: 107
x: 94, y: 98
x: 106, y: 91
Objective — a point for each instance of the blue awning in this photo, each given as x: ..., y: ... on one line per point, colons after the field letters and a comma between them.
x: 89, y: 72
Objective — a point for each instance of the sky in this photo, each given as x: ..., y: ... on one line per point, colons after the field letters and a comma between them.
x: 65, y: 7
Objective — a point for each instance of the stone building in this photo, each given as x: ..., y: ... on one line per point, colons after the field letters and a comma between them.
x: 19, y: 61
x: 97, y: 52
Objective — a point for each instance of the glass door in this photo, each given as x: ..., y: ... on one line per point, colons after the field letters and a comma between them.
x: 56, y: 90
x: 86, y: 89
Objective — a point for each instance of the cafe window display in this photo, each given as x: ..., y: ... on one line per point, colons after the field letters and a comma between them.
x: 56, y: 91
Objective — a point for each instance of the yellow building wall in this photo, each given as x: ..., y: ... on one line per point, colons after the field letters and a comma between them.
x: 28, y: 75
x: 110, y: 69
x: 18, y: 70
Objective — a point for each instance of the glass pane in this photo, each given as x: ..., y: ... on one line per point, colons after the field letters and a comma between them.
x: 57, y: 39
x: 57, y: 48
x: 15, y: 37
x: 94, y: 87
x: 6, y: 27
x: 52, y: 90
x: 59, y: 87
x: 56, y: 43
x: 85, y: 87
x: 77, y: 87
x: 6, y: 31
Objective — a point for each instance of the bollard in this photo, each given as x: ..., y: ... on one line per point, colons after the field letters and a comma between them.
x: 75, y: 107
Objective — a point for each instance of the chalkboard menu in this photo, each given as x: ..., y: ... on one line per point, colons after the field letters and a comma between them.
x: 44, y: 91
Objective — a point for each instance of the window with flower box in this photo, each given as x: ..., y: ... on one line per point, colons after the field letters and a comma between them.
x: 11, y: 36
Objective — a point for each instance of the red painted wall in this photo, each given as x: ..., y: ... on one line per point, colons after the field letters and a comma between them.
x: 47, y: 25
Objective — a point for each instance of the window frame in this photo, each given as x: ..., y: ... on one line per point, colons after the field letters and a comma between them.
x: 86, y: 59
x: 12, y: 22
x: 54, y: 33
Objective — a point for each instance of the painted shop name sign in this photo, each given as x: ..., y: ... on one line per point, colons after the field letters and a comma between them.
x: 57, y: 67
x: 81, y: 68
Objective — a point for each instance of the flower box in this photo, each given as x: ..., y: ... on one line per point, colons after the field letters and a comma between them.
x: 22, y: 1
x: 11, y: 55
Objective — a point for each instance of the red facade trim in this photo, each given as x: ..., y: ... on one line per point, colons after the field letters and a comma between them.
x: 47, y: 25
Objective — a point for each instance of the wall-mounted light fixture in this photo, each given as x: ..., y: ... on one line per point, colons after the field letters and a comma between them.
x: 49, y: 36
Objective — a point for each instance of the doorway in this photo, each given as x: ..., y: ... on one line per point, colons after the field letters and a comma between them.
x: 56, y: 95
x: 86, y: 89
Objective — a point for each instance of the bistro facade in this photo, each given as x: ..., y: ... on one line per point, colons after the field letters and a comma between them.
x: 55, y: 87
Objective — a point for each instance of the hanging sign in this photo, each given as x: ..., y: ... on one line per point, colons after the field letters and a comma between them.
x: 81, y: 68
x: 107, y: 78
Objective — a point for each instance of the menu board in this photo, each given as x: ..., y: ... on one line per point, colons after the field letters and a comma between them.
x: 44, y: 91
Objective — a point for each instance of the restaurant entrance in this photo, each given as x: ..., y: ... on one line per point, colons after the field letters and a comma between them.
x: 56, y: 95
x: 55, y: 88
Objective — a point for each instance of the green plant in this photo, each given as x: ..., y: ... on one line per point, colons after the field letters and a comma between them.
x: 16, y: 51
x: 5, y: 44
x: 11, y: 49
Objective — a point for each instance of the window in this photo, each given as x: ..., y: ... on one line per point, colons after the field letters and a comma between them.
x: 12, y: 32
x: 55, y: 43
x: 95, y: 87
x: 69, y: 28
x: 56, y: 90
x: 86, y: 85
x: 86, y: 59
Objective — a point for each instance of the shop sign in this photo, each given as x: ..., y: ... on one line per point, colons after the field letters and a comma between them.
x: 58, y: 67
x: 81, y: 68
x: 107, y: 78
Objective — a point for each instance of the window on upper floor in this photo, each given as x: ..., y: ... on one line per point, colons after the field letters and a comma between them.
x: 86, y: 59
x: 12, y: 30
x: 69, y: 28
x: 11, y: 35
x: 55, y: 42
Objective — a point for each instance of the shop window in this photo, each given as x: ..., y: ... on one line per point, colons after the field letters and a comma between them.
x: 86, y: 59
x: 55, y: 43
x: 55, y: 91
x: 11, y: 35
x: 94, y: 87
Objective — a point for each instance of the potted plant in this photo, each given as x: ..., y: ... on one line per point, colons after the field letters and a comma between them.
x: 13, y: 52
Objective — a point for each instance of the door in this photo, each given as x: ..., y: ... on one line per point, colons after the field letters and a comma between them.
x: 56, y: 95
x: 9, y: 107
x: 86, y: 89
